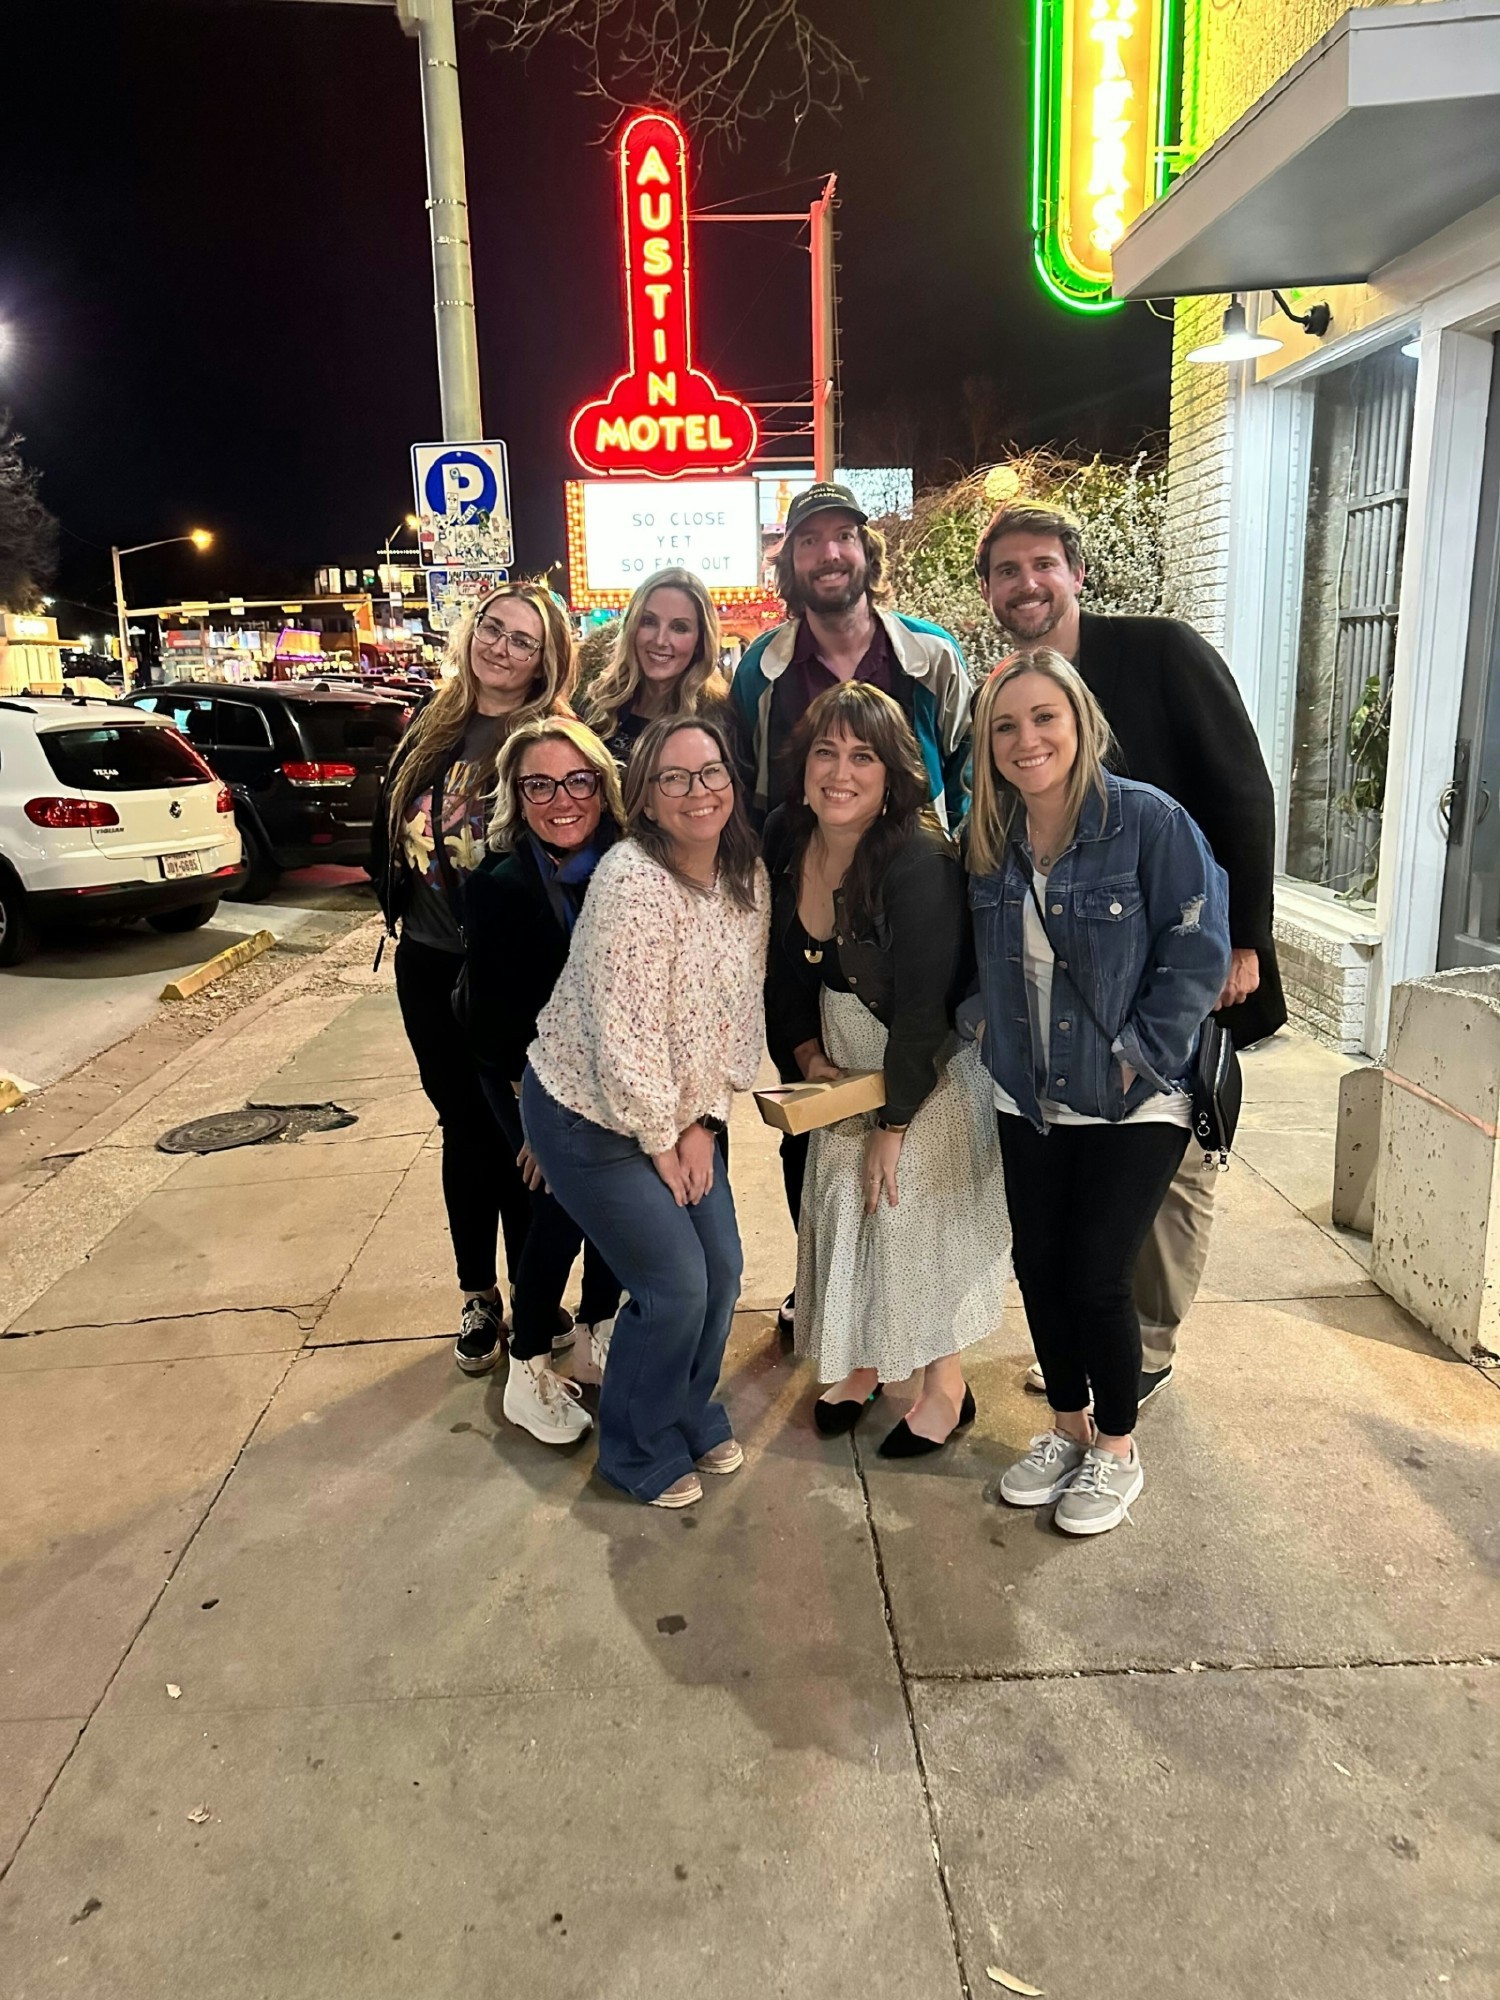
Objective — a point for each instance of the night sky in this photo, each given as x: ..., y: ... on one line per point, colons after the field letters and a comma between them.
x: 214, y: 263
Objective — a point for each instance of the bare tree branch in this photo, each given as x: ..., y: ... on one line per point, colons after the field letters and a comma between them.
x: 720, y: 65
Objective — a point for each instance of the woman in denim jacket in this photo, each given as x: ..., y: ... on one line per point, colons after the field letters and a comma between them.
x: 1102, y: 933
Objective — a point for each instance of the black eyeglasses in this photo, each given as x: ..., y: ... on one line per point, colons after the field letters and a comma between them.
x: 678, y: 784
x: 540, y: 791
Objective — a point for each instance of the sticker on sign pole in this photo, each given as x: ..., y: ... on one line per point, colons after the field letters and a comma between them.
x: 462, y: 494
x: 452, y: 592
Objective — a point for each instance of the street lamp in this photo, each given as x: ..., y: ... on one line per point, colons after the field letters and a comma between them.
x: 199, y: 537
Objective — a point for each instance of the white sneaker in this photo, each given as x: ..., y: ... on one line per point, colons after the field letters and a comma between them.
x: 599, y: 1351
x: 544, y: 1403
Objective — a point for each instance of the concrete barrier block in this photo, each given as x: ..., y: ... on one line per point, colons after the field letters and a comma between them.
x: 1436, y: 1246
x: 1356, y: 1150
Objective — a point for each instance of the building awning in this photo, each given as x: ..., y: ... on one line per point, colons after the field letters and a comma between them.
x: 1384, y: 133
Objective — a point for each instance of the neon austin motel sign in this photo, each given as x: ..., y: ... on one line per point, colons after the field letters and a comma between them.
x: 1100, y: 105
x: 663, y: 417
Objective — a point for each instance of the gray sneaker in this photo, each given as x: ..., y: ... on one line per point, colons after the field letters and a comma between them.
x: 1099, y: 1495
x: 1044, y: 1472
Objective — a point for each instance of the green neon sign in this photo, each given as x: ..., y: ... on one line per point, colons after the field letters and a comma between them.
x: 1104, y: 89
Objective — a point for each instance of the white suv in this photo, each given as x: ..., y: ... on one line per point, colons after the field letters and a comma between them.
x: 106, y: 811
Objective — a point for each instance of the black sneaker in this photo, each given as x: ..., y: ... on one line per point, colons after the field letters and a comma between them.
x: 481, y: 1336
x: 786, y: 1316
x: 1150, y: 1383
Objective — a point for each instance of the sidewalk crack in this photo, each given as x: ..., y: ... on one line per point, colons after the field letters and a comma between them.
x: 905, y: 1679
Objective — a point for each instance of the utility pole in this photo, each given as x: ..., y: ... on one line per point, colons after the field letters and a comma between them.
x: 431, y: 21
x: 820, y: 218
x: 122, y: 623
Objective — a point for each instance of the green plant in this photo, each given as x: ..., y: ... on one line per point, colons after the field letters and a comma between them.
x: 1121, y: 504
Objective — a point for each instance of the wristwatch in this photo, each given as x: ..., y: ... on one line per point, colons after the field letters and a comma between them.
x: 886, y: 1124
x: 715, y: 1125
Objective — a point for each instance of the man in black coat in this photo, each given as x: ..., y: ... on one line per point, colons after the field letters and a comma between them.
x: 1179, y: 724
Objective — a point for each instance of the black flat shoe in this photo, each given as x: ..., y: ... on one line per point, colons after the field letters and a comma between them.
x: 903, y: 1442
x: 837, y: 1419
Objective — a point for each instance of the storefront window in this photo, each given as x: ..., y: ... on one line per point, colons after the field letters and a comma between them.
x: 1356, y: 529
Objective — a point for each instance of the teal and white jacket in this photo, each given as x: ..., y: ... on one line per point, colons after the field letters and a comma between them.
x: 935, y: 691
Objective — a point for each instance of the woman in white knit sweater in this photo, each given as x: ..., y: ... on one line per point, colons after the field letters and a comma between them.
x: 653, y: 1025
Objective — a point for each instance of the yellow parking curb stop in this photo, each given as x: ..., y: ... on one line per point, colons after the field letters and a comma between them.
x: 215, y: 967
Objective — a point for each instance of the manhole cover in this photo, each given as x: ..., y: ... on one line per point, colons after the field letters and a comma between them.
x: 223, y: 1130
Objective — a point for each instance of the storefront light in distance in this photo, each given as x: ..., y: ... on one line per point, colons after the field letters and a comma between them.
x: 1236, y: 342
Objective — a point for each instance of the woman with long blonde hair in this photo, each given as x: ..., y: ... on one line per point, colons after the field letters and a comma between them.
x: 1102, y: 932
x: 665, y: 662
x: 512, y: 660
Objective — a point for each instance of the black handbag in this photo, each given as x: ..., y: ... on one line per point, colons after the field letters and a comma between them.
x: 1216, y: 1087
x: 1218, y: 1090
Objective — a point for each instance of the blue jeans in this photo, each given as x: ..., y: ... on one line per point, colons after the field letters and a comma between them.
x: 681, y: 1267
x: 539, y: 1274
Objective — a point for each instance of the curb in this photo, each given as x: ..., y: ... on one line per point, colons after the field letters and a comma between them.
x: 215, y: 967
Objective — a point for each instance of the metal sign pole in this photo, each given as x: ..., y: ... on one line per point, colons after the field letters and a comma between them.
x: 448, y: 212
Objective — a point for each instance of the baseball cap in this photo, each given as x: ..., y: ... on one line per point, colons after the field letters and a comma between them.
x: 817, y: 499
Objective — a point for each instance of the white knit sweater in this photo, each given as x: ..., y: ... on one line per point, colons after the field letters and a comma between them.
x: 657, y: 1018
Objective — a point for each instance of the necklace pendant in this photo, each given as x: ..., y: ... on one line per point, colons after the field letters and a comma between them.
x: 813, y: 957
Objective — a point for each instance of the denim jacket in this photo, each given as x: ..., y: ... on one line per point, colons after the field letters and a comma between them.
x: 1137, y: 912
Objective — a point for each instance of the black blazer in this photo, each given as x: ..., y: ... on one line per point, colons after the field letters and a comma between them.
x: 516, y: 948
x: 1180, y: 725
x: 910, y: 967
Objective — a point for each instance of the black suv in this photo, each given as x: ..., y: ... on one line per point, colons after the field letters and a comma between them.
x: 304, y: 765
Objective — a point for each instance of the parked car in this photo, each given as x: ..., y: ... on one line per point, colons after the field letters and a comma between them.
x: 304, y: 764
x: 105, y: 812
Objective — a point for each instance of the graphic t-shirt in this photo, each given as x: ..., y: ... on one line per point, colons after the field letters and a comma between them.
x: 467, y: 804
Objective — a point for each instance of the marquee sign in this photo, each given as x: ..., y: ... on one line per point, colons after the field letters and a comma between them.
x: 662, y: 418
x: 1100, y: 138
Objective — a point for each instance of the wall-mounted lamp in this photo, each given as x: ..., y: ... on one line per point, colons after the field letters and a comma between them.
x: 1412, y: 348
x: 1238, y: 343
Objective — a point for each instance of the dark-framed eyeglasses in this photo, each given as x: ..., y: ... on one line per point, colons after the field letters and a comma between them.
x: 541, y: 791
x: 493, y: 633
x: 715, y: 777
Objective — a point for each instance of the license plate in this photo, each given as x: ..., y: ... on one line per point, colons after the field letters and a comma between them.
x: 174, y: 866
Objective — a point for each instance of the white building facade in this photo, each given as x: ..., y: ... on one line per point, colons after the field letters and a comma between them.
x: 1334, y: 505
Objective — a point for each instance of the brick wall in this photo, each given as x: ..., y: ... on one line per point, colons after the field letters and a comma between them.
x: 1325, y: 980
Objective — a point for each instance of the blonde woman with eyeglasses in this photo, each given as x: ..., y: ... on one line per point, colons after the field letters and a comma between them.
x: 512, y: 660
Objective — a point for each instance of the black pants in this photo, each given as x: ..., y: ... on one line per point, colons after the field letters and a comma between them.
x: 1082, y: 1199
x: 540, y: 1275
x: 482, y: 1186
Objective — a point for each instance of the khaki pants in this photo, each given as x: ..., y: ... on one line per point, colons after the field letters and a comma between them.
x: 1170, y: 1267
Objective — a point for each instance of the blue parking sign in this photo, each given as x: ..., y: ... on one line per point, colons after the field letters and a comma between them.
x: 462, y: 494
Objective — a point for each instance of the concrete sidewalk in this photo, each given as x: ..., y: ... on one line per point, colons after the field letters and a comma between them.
x: 319, y: 1679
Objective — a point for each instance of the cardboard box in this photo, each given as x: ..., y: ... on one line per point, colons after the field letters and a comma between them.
x: 803, y: 1107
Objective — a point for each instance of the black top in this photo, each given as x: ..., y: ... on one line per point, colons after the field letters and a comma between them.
x: 518, y: 944
x: 910, y: 966
x: 630, y: 727
x: 416, y: 884
x: 1180, y: 725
